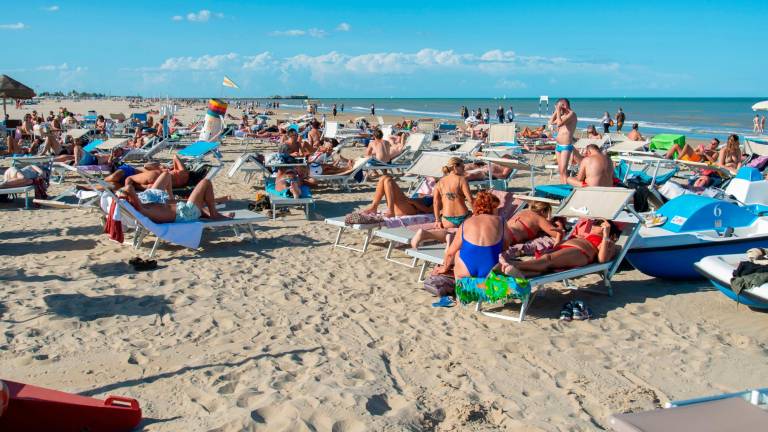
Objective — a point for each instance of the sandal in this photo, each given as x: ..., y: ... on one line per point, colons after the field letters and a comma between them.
x: 444, y: 301
x: 141, y: 265
x: 566, y: 313
x: 581, y: 311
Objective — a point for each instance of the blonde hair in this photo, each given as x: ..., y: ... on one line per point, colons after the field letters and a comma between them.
x: 541, y: 208
x: 452, y: 164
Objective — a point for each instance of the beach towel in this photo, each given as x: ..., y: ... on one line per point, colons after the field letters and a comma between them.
x: 492, y: 289
x: 114, y: 228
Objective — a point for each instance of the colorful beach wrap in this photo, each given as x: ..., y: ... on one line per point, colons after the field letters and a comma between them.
x: 217, y: 107
x: 492, y: 289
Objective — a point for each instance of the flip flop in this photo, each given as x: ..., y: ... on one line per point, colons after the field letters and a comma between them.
x: 581, y: 311
x: 444, y: 301
x: 142, y: 265
x: 566, y: 313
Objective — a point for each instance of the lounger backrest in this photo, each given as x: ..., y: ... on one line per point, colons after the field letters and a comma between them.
x: 331, y: 130
x: 627, y: 146
x: 584, y: 142
x: 469, y: 146
x: 198, y: 149
x: 429, y: 165
x: 501, y: 133
x: 414, y: 142
x: 359, y: 164
x: 595, y: 202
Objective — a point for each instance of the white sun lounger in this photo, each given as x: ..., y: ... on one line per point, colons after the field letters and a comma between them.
x: 343, y: 179
x: 593, y: 202
x: 429, y: 254
x: 248, y: 165
x: 18, y: 191
x: 148, y: 150
x: 627, y: 146
x: 187, y: 234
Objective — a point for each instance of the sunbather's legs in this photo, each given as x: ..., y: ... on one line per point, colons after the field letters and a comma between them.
x: 423, y: 235
x: 116, y: 179
x: 563, y: 159
x: 17, y: 182
x: 202, y: 196
x: 397, y: 203
x: 164, y: 182
x: 560, y: 259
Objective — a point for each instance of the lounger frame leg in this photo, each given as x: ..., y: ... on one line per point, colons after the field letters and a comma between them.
x: 154, y: 248
x: 26, y: 200
x: 423, y: 271
x: 366, y: 241
x: 253, y: 232
x: 388, y: 257
x: 524, y: 304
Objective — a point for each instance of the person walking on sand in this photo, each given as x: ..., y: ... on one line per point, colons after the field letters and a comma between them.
x: 606, y: 121
x: 334, y: 110
x: 620, y: 118
x: 500, y: 114
x: 373, y: 109
x: 564, y: 119
x: 762, y: 124
x: 756, y: 124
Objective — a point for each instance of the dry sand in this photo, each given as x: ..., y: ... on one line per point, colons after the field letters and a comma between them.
x: 287, y: 334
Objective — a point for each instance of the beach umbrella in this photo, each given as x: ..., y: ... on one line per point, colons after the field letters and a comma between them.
x: 10, y: 88
x: 760, y: 106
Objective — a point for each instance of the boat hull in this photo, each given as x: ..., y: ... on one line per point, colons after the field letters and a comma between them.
x: 676, y: 261
x: 724, y: 286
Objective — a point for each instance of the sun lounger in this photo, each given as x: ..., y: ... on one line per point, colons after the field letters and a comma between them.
x: 593, y: 202
x: 627, y: 146
x: 77, y: 133
x: 582, y: 143
x: 725, y: 414
x: 502, y: 134
x: 368, y: 229
x: 413, y: 147
x: 26, y: 190
x: 429, y: 254
x: 187, y: 234
x: 199, y: 150
x: 248, y: 165
x: 105, y: 145
x: 148, y: 150
x: 515, y: 165
x: 344, y: 179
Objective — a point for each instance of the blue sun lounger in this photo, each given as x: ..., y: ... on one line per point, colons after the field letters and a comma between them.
x: 199, y: 150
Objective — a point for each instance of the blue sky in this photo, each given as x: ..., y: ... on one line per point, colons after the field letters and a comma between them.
x: 391, y: 48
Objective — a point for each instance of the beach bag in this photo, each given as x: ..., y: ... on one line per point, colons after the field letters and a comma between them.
x: 358, y: 218
x: 440, y: 285
x: 759, y: 162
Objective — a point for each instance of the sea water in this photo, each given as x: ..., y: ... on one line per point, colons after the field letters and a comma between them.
x: 693, y: 117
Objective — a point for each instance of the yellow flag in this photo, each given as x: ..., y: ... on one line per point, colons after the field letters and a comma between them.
x: 229, y: 83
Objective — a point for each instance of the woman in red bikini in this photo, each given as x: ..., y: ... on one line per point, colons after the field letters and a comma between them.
x: 527, y: 224
x: 595, y: 244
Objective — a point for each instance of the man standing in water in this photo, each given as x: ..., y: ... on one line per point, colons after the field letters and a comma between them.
x: 373, y: 109
x: 564, y: 119
x: 620, y: 117
x: 762, y: 124
x: 500, y: 114
x: 756, y: 124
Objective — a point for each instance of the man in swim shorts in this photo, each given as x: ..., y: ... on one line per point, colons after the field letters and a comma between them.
x: 564, y: 118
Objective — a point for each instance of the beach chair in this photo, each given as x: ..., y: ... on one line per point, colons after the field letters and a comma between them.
x: 16, y: 191
x: 582, y: 143
x: 502, y: 134
x: 369, y: 229
x: 627, y: 147
x: 344, y: 180
x: 515, y: 164
x: 186, y: 234
x: 199, y: 150
x: 413, y: 147
x: 105, y: 145
x: 249, y: 166
x: 593, y: 202
x: 277, y: 200
x: 77, y: 133
x: 744, y: 411
x: 148, y: 150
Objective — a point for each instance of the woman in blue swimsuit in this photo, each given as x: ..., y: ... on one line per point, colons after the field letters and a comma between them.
x: 480, y: 241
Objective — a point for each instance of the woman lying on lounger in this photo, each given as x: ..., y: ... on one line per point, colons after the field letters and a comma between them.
x: 531, y: 222
x: 594, y: 244
x: 397, y: 203
x: 476, y: 248
x: 157, y: 202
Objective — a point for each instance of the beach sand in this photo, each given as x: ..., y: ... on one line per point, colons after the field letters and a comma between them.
x: 285, y: 333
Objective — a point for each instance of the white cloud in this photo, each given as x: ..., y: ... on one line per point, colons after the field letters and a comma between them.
x: 313, y: 32
x: 16, y: 26
x: 508, y: 84
x: 204, y: 62
x: 202, y: 16
x: 343, y: 27
x: 62, y: 66
x: 259, y: 61
x: 53, y: 8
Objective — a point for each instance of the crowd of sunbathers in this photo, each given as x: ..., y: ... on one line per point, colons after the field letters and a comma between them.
x: 477, y: 237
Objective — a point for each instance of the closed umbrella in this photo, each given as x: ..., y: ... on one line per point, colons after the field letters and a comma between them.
x: 10, y: 88
x: 760, y: 106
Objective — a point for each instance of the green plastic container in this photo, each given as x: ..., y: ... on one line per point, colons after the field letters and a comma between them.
x: 665, y: 141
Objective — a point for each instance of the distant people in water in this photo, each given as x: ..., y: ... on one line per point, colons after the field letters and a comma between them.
x: 762, y: 124
x: 510, y: 114
x: 500, y: 114
x: 756, y: 124
x: 373, y: 109
x: 620, y: 118
x: 606, y: 121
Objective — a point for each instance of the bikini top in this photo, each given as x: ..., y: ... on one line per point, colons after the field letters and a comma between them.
x: 530, y: 232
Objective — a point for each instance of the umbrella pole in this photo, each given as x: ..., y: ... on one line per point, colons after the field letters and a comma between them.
x: 4, y: 112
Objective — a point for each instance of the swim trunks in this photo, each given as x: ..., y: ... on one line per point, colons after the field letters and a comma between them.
x: 187, y: 212
x: 561, y: 148
x: 457, y: 220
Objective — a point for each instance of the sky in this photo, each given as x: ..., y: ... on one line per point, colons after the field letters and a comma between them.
x: 681, y: 48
